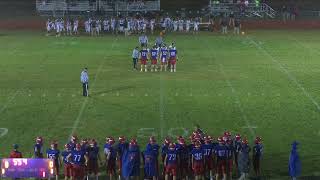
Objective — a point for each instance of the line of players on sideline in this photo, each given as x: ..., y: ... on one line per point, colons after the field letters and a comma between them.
x: 167, y: 57
x: 202, y: 157
x: 126, y: 25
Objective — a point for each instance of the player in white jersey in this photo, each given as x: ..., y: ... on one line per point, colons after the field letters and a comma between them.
x: 106, y: 25
x: 62, y: 28
x: 196, y: 26
x: 48, y: 26
x: 188, y: 22
x: 57, y: 27
x: 75, y: 26
x: 181, y: 25
x: 144, y: 25
x: 69, y: 27
x: 152, y: 24
x: 175, y: 25
x: 98, y: 27
x: 113, y: 25
x: 121, y: 25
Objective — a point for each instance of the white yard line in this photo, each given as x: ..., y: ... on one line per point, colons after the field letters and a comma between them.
x: 289, y: 75
x: 86, y: 99
x: 11, y: 98
x: 162, y: 107
x: 237, y: 101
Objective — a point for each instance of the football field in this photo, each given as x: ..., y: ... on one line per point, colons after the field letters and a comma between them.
x: 262, y: 83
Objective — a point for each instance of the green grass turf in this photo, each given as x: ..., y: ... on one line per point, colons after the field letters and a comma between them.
x: 222, y: 83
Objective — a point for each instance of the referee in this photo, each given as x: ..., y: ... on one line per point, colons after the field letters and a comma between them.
x: 84, y: 78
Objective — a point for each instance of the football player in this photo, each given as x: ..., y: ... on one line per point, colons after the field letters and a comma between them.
x: 197, y: 161
x: 38, y: 148
x: 230, y: 156
x: 221, y: 157
x: 66, y: 162
x: 257, y: 155
x: 150, y: 158
x: 154, y: 58
x: 131, y: 161
x: 237, y: 148
x: 111, y: 157
x: 164, y: 150
x: 208, y: 148
x: 183, y: 153
x: 79, y: 160
x: 164, y: 56
x: 144, y: 59
x: 173, y: 58
x: 171, y: 162
x: 53, y: 153
x: 94, y: 157
x: 73, y: 142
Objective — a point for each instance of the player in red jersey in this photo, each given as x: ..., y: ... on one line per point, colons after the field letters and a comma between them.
x: 173, y: 57
x: 171, y: 162
x: 154, y: 58
x: 221, y: 158
x: 197, y: 161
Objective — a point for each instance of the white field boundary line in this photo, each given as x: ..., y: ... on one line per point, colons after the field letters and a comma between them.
x: 162, y: 107
x: 289, y: 75
x: 11, y: 98
x: 85, y: 102
x: 237, y: 100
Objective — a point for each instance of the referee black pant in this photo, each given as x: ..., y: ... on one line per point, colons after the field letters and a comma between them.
x: 85, y: 87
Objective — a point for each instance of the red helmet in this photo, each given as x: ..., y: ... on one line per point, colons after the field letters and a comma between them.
x: 258, y: 140
x: 179, y: 137
x: 133, y: 142
x: 237, y: 137
x: 225, y: 138
x: 152, y: 140
x: 172, y: 146
x: 197, y: 144
x: 245, y: 141
x: 122, y: 139
x: 74, y: 139
x: 220, y: 139
x: 197, y: 137
x: 167, y: 141
x: 78, y: 146
x: 227, y: 133
x: 207, y: 139
x: 39, y: 140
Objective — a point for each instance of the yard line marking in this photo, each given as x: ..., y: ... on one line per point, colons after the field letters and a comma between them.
x: 237, y: 101
x: 289, y: 75
x: 3, y: 132
x: 12, y: 97
x: 84, y: 104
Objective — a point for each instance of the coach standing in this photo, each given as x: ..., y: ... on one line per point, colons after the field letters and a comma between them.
x: 143, y: 40
x: 84, y: 78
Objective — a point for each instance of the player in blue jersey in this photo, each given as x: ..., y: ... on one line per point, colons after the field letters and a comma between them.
x: 110, y: 157
x: 208, y: 148
x: 164, y: 57
x: 164, y: 149
x: 155, y: 148
x: 197, y: 161
x: 38, y: 148
x: 230, y: 157
x: 237, y: 147
x: 54, y: 154
x: 79, y: 160
x: 143, y: 59
x: 171, y: 162
x: 131, y: 161
x: 67, y: 162
x: 257, y: 156
x: 183, y: 153
x: 121, y: 147
x: 173, y: 57
x: 154, y: 58
x: 150, y: 159
x: 94, y: 157
x: 73, y: 142
x: 221, y: 158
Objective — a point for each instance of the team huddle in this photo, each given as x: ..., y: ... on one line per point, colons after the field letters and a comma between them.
x: 202, y: 157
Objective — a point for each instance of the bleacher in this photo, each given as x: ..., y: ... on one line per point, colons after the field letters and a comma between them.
x: 246, y: 9
x: 138, y: 6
